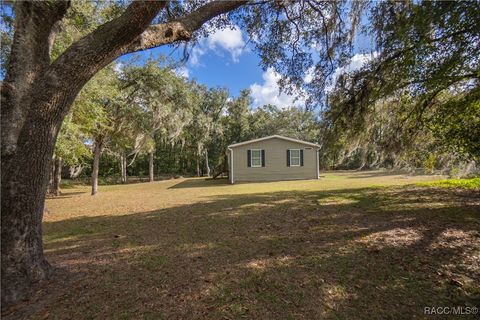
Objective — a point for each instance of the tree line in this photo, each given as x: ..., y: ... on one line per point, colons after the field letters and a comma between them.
x: 416, y: 102
x: 145, y: 120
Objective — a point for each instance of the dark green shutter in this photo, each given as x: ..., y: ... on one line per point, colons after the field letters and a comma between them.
x: 301, y: 157
x: 263, y: 158
x: 288, y: 157
x: 249, y: 158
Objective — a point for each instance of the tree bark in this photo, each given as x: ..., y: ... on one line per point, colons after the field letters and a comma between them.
x: 123, y: 167
x: 150, y: 166
x: 37, y: 94
x: 31, y: 115
x: 75, y: 171
x: 198, y: 166
x: 25, y: 176
x: 97, y: 152
x: 57, y: 176
x: 51, y: 177
x: 206, y: 163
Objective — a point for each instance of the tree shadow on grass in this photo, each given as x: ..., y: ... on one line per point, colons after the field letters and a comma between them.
x: 64, y: 195
x: 209, y: 182
x: 200, y: 183
x: 352, y: 254
x: 384, y: 173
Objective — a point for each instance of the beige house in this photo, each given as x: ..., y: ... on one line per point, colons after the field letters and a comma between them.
x: 272, y: 158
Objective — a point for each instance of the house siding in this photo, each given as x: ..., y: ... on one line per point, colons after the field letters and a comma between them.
x: 275, y: 162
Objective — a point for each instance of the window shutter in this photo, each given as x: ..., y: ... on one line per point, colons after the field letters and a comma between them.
x: 288, y: 157
x: 249, y: 158
x: 301, y: 157
x: 263, y: 158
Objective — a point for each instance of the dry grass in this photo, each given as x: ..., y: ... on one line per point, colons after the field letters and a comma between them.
x: 349, y: 246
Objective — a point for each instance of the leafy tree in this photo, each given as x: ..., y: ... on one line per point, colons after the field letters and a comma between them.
x: 102, y: 115
x: 415, y: 101
x: 300, y: 37
x: 207, y: 108
x: 237, y: 121
x: 215, y: 105
x: 164, y: 99
x: 70, y: 150
x: 455, y: 123
x: 37, y: 94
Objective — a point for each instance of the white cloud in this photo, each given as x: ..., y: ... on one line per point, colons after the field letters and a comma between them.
x: 309, y: 74
x: 118, y: 67
x: 269, y: 92
x: 183, y: 72
x: 230, y: 40
x: 197, y: 52
x: 356, y: 63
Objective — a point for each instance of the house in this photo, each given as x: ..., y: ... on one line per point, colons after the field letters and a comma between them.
x: 273, y: 158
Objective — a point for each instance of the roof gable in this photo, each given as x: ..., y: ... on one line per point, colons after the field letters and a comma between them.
x: 274, y: 137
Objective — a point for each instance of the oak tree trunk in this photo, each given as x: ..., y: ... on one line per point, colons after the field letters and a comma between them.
x: 25, y: 174
x: 57, y: 176
x: 198, y: 166
x: 150, y: 166
x: 123, y: 167
x: 206, y: 163
x: 75, y: 171
x: 50, y: 190
x: 97, y: 152
x: 36, y: 95
x: 125, y: 173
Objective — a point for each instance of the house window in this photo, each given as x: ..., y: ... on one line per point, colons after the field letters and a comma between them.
x: 295, y: 157
x: 256, y: 158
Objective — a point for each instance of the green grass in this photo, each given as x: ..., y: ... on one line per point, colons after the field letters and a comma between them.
x: 471, y: 184
x: 352, y: 245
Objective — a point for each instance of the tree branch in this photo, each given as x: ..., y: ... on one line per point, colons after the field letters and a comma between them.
x: 181, y: 29
x: 106, y: 43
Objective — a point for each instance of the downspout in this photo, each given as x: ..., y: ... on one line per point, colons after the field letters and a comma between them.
x: 230, y: 173
x: 318, y: 164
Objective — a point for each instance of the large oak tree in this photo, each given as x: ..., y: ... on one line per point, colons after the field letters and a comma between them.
x: 36, y: 95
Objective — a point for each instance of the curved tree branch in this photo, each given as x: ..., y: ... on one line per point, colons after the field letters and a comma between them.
x: 181, y: 29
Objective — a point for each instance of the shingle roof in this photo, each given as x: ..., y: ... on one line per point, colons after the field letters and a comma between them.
x: 273, y: 137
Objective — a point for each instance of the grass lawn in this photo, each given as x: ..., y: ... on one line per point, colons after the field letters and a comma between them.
x: 352, y: 245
